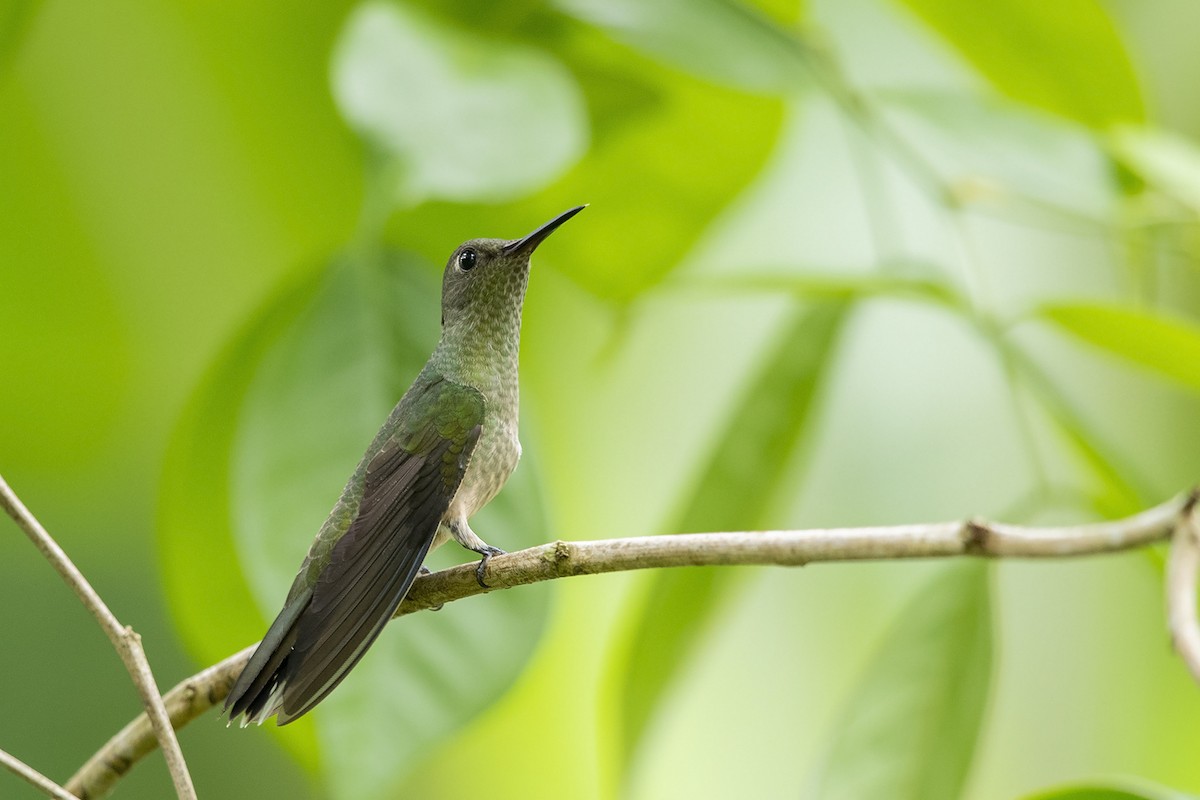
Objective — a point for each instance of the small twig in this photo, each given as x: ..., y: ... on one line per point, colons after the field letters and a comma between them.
x: 127, y: 643
x: 560, y: 559
x: 1182, y: 569
x: 34, y: 778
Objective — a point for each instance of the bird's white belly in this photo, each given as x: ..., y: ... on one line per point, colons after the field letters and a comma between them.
x: 494, y: 459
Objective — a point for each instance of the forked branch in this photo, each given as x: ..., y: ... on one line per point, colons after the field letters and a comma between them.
x: 127, y: 643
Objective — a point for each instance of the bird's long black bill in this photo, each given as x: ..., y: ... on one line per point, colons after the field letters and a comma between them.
x: 529, y: 243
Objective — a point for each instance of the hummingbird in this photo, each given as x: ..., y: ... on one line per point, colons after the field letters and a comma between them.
x: 444, y: 452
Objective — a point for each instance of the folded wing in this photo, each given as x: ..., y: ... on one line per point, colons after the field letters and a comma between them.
x: 329, y: 623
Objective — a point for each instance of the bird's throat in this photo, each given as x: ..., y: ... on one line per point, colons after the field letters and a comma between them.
x: 484, y: 355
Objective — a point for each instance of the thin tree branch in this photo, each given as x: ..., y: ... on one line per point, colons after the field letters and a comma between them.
x: 202, y: 691
x: 34, y: 778
x: 127, y: 643
x: 1182, y: 569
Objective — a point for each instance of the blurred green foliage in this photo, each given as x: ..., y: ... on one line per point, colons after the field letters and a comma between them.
x: 845, y: 263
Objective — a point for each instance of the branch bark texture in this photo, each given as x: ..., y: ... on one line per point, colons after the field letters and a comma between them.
x: 560, y: 559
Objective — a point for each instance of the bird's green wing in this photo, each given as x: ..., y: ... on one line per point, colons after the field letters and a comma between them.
x: 352, y: 584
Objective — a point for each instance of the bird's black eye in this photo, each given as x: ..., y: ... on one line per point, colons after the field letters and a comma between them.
x: 466, y: 260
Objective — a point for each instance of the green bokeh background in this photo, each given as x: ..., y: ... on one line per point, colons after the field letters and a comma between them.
x: 851, y: 262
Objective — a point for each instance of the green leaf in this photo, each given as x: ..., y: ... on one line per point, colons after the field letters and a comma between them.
x: 720, y: 40
x: 306, y: 394
x: 461, y: 117
x: 1169, y: 346
x: 1065, y: 57
x: 1168, y: 161
x: 1143, y: 791
x: 733, y: 492
x: 910, y: 729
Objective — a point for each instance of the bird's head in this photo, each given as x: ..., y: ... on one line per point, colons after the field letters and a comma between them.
x: 485, y: 278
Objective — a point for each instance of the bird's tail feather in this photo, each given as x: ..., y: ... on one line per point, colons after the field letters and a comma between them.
x: 258, y: 690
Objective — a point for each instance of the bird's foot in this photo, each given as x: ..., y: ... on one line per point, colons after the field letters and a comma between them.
x: 487, y: 551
